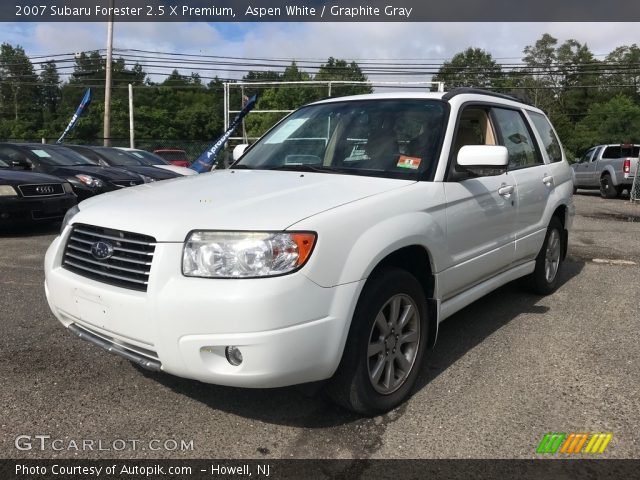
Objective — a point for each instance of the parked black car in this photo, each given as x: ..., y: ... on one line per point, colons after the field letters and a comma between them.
x: 115, y: 157
x: 32, y: 197
x: 86, y: 178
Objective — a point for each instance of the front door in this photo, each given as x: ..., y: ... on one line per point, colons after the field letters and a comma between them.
x: 481, y: 212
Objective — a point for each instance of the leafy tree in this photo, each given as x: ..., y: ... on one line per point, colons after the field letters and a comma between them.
x: 336, y: 69
x: 473, y: 67
x: 541, y: 81
x: 613, y: 121
x: 18, y: 89
x: 581, y: 73
x: 622, y: 72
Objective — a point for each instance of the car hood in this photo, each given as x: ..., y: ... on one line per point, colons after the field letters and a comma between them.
x: 108, y: 174
x: 227, y: 200
x: 21, y: 177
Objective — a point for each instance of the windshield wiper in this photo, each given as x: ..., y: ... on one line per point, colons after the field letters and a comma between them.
x: 302, y: 168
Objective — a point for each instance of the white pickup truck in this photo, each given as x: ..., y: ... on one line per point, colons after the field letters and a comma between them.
x: 330, y: 251
x: 611, y: 168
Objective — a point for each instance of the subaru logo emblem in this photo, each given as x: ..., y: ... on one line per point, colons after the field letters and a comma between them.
x: 101, y: 250
x: 44, y: 189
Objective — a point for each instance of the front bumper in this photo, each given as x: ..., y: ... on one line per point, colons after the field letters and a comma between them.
x: 289, y: 329
x: 15, y: 210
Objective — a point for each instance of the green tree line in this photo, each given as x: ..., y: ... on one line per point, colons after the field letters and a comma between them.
x: 36, y: 105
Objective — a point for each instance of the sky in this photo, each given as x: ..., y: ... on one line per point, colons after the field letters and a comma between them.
x: 316, y: 40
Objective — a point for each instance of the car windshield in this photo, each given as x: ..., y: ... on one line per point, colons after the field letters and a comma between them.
x: 59, y: 156
x: 4, y: 164
x: 393, y: 138
x: 119, y: 157
x: 148, y: 158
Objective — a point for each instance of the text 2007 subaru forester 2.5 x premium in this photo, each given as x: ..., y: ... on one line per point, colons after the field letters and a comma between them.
x: 331, y: 250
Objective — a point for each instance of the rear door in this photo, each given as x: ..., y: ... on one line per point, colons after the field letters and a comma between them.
x: 533, y: 179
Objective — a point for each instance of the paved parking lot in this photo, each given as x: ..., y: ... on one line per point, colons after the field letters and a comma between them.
x: 506, y: 370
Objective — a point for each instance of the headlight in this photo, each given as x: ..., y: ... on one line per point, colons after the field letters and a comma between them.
x: 68, y: 216
x: 8, y: 191
x: 67, y: 188
x: 147, y: 179
x: 90, y: 181
x: 245, y: 254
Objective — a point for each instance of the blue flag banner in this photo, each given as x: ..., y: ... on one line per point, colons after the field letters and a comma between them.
x: 86, y: 100
x: 203, y: 162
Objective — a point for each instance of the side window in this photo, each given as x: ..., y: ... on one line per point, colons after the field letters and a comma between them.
x: 12, y: 155
x: 549, y: 140
x: 516, y: 137
x: 587, y: 156
x: 612, y: 152
x: 474, y: 128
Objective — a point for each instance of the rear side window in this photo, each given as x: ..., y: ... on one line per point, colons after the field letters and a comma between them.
x: 516, y: 137
x: 620, y: 151
x: 549, y: 140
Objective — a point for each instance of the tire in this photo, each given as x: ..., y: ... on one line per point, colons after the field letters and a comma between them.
x: 544, y: 279
x: 607, y: 188
x: 377, y: 372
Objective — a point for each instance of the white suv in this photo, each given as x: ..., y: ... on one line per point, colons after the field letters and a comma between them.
x: 331, y: 250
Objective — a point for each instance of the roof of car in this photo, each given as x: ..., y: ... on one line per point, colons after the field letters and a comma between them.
x: 446, y: 96
x: 384, y: 96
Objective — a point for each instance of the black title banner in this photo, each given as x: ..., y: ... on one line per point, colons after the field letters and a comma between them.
x: 320, y: 11
x: 317, y: 469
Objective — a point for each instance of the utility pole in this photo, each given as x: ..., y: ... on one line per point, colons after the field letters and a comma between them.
x: 107, y: 86
x: 131, y: 129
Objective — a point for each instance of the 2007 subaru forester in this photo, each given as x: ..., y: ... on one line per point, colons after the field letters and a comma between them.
x: 331, y: 250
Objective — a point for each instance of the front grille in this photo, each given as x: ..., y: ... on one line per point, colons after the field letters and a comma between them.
x: 127, y: 183
x: 41, y: 190
x: 128, y: 265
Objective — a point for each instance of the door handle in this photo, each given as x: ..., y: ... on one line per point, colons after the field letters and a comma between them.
x: 547, y: 180
x: 505, y: 191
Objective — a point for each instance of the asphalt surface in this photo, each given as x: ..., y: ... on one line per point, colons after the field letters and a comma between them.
x: 505, y: 371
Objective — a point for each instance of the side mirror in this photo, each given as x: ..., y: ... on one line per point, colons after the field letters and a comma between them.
x: 483, y: 160
x: 238, y: 151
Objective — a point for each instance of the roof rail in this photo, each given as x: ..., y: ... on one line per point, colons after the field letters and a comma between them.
x: 462, y: 90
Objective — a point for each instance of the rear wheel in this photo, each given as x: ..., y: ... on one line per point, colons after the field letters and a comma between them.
x: 385, y: 346
x: 607, y: 188
x: 544, y: 279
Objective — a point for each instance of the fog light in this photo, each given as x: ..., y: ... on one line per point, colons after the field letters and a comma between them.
x: 234, y: 356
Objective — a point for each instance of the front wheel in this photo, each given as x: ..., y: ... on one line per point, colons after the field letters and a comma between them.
x: 385, y: 345
x: 544, y: 279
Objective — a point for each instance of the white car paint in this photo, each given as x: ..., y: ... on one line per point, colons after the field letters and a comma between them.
x: 292, y: 328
